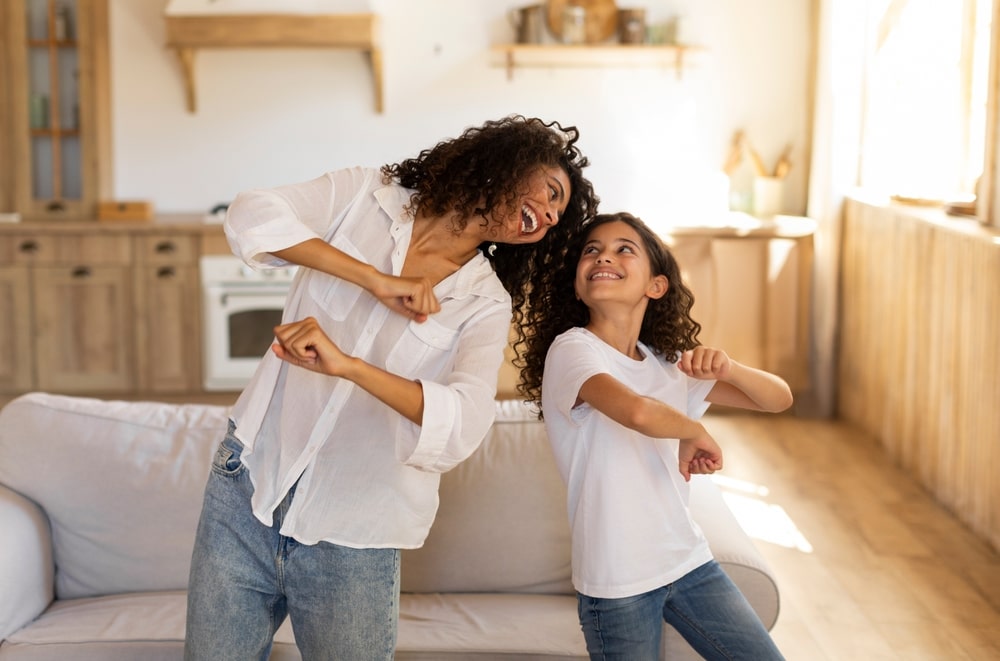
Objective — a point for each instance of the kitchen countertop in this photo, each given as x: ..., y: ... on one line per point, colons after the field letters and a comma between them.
x: 186, y: 222
x: 734, y: 224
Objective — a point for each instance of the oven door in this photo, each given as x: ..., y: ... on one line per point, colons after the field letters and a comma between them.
x: 239, y: 329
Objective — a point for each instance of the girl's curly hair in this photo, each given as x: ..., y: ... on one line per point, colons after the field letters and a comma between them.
x: 667, y: 326
x: 486, y: 169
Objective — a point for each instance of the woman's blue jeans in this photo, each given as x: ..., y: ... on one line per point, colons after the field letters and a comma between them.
x: 246, y: 578
x: 705, y: 607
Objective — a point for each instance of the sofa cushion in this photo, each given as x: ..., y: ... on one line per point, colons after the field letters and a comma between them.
x: 121, y: 483
x: 498, y: 627
x: 434, y: 627
x: 146, y: 625
x: 501, y: 525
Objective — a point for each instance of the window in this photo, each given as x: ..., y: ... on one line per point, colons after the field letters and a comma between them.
x: 926, y: 107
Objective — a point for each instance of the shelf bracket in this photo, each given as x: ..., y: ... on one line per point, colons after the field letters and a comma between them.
x: 186, y: 58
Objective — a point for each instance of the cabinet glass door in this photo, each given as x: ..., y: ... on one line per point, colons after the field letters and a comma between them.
x: 54, y: 53
x: 53, y: 62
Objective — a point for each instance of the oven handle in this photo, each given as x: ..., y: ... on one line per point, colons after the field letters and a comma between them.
x: 267, y: 297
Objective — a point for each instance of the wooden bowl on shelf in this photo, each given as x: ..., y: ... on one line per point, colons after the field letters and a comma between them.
x: 601, y: 21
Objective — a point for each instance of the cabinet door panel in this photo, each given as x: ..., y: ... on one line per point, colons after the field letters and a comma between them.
x: 15, y: 330
x: 83, y: 326
x: 168, y: 333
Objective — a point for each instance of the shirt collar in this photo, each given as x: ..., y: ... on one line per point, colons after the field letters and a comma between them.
x: 474, y: 278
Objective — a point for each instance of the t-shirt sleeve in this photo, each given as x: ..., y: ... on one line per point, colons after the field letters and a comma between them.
x: 569, y: 363
x: 698, y: 390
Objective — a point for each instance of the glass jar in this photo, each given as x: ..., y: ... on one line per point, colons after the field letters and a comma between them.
x: 574, y: 25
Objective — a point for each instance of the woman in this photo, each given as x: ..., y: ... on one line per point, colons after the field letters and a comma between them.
x: 382, y: 376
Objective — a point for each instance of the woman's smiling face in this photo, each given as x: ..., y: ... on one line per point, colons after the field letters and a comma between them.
x: 545, y: 201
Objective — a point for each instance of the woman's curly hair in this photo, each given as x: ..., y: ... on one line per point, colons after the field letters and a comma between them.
x: 667, y: 326
x: 487, y: 169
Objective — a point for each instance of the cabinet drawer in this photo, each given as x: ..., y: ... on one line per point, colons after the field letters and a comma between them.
x: 91, y: 249
x: 167, y: 249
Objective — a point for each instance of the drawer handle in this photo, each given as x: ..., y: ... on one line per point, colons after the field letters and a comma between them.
x: 30, y: 246
x: 55, y: 205
x: 81, y: 272
x: 165, y: 247
x: 165, y: 272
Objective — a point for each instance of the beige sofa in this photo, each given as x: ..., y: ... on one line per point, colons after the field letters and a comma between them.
x: 98, y: 505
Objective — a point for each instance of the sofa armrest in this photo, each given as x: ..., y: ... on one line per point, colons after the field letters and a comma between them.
x: 27, y: 571
x: 734, y: 550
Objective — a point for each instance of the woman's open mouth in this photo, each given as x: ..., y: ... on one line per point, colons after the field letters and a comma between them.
x: 529, y: 223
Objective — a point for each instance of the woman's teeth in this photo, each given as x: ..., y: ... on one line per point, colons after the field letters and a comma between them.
x: 528, y: 221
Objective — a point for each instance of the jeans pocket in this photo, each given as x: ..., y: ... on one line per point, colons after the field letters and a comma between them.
x: 227, y: 461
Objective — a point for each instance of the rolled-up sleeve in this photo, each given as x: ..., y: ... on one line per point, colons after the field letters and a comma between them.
x: 459, y: 410
x: 259, y: 222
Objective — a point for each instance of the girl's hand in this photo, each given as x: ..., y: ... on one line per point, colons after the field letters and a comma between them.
x: 699, y: 455
x: 304, y: 344
x: 410, y: 297
x: 705, y: 363
x: 703, y: 466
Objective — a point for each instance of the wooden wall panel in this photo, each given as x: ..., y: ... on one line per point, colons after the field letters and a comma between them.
x: 920, y: 351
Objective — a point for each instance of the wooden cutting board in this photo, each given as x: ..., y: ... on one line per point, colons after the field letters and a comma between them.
x: 601, y: 22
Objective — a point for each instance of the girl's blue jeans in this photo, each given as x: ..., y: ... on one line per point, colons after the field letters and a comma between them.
x: 246, y: 578
x: 705, y: 607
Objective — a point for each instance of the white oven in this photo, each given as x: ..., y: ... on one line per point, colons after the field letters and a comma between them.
x: 241, y: 308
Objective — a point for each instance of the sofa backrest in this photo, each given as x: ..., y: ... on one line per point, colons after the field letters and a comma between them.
x: 84, y: 460
x: 501, y: 524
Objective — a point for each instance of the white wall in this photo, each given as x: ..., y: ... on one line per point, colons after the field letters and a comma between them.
x: 267, y: 117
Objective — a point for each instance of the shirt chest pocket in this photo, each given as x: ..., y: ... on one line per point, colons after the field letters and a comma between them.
x: 333, y: 295
x: 423, y: 350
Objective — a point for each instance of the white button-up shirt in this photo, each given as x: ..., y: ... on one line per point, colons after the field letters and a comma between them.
x: 367, y: 476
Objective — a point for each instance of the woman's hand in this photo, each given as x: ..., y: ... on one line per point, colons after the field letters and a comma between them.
x: 705, y: 363
x: 411, y: 297
x: 304, y: 344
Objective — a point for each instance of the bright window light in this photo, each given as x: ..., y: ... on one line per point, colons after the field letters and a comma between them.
x: 925, y: 97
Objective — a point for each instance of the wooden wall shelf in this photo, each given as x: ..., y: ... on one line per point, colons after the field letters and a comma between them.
x: 593, y: 56
x: 187, y: 34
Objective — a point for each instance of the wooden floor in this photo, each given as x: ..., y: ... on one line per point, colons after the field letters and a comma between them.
x: 869, y: 566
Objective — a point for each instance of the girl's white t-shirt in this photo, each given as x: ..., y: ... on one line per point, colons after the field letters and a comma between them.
x: 632, y: 531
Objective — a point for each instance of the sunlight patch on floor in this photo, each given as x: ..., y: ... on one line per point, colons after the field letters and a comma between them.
x: 761, y: 520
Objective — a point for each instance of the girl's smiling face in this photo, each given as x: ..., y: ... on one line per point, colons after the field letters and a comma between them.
x: 614, y: 267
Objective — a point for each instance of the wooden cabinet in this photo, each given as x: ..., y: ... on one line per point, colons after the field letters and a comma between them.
x: 752, y: 287
x: 168, y: 313
x: 55, y: 120
x: 73, y: 332
x: 86, y: 309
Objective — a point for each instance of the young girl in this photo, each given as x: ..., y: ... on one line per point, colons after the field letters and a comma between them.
x: 625, y: 384
x: 382, y: 376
